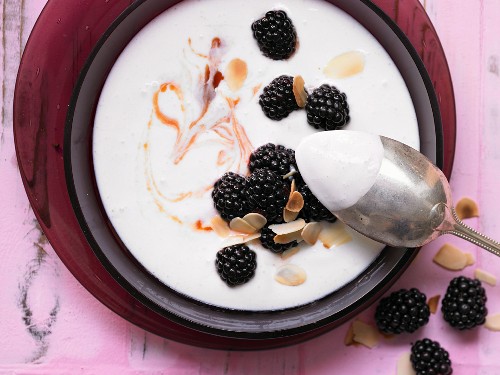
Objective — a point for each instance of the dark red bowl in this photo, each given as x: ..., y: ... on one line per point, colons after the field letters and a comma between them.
x: 55, y: 100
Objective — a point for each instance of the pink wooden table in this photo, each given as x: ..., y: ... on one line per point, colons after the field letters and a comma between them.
x: 51, y: 325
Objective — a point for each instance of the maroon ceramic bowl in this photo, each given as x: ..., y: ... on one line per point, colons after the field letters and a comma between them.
x: 73, y: 218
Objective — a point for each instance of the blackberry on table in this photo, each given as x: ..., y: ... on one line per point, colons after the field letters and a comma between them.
x: 267, y: 240
x: 229, y: 196
x: 277, y: 158
x: 327, y: 108
x: 236, y: 264
x: 277, y: 99
x: 275, y: 35
x: 464, y: 304
x: 428, y: 357
x: 313, y: 210
x: 268, y: 194
x: 402, y: 311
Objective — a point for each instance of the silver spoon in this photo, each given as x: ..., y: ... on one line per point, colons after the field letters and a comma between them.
x: 409, y: 204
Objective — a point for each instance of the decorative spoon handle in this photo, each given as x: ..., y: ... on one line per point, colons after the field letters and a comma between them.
x: 456, y: 227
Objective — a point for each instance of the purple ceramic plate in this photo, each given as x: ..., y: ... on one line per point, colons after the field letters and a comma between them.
x: 66, y: 61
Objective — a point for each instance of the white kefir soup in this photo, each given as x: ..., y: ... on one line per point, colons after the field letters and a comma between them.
x: 181, y: 107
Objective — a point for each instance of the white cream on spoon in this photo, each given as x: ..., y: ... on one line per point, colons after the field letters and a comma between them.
x: 340, y: 166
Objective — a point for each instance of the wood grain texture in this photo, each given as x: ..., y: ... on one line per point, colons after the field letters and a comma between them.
x: 51, y: 325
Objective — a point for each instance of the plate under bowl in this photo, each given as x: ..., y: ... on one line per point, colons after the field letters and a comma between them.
x: 184, y: 319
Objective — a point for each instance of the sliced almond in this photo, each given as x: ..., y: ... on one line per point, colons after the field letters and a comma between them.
x: 299, y: 92
x: 433, y: 303
x: 220, y: 227
x: 290, y: 252
x: 486, y: 277
x: 404, y: 366
x: 251, y: 237
x: 289, y: 216
x: 290, y: 227
x: 450, y: 257
x: 288, y: 237
x: 237, y: 240
x: 241, y: 226
x: 310, y: 233
x: 296, y: 202
x: 233, y: 240
x: 493, y: 322
x: 349, y: 336
x: 289, y: 174
x: 345, y: 65
x: 365, y: 334
x: 470, y: 259
x: 290, y: 275
x: 236, y: 74
x: 466, y: 208
x: 255, y: 220
x: 333, y: 235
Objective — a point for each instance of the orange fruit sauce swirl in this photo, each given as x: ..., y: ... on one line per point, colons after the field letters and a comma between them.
x: 235, y: 145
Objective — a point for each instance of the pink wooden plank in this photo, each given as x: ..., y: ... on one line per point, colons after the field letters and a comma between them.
x: 489, y: 163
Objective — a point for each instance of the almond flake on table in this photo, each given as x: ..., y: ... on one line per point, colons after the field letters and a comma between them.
x: 466, y: 208
x: 365, y: 334
x: 485, y: 276
x: 470, y: 259
x: 404, y: 366
x: 433, y: 303
x: 349, y: 336
x: 493, y: 322
x: 451, y: 258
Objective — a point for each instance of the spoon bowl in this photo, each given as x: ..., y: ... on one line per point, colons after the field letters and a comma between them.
x: 398, y: 209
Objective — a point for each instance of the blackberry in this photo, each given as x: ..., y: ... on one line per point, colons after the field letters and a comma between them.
x: 267, y: 240
x: 277, y: 158
x: 313, y: 210
x: 428, y: 357
x: 464, y: 305
x: 275, y: 35
x: 327, y: 108
x: 277, y: 99
x: 236, y: 264
x: 229, y: 196
x: 268, y: 194
x: 402, y: 311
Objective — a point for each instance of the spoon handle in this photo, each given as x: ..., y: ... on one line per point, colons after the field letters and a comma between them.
x: 458, y: 228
